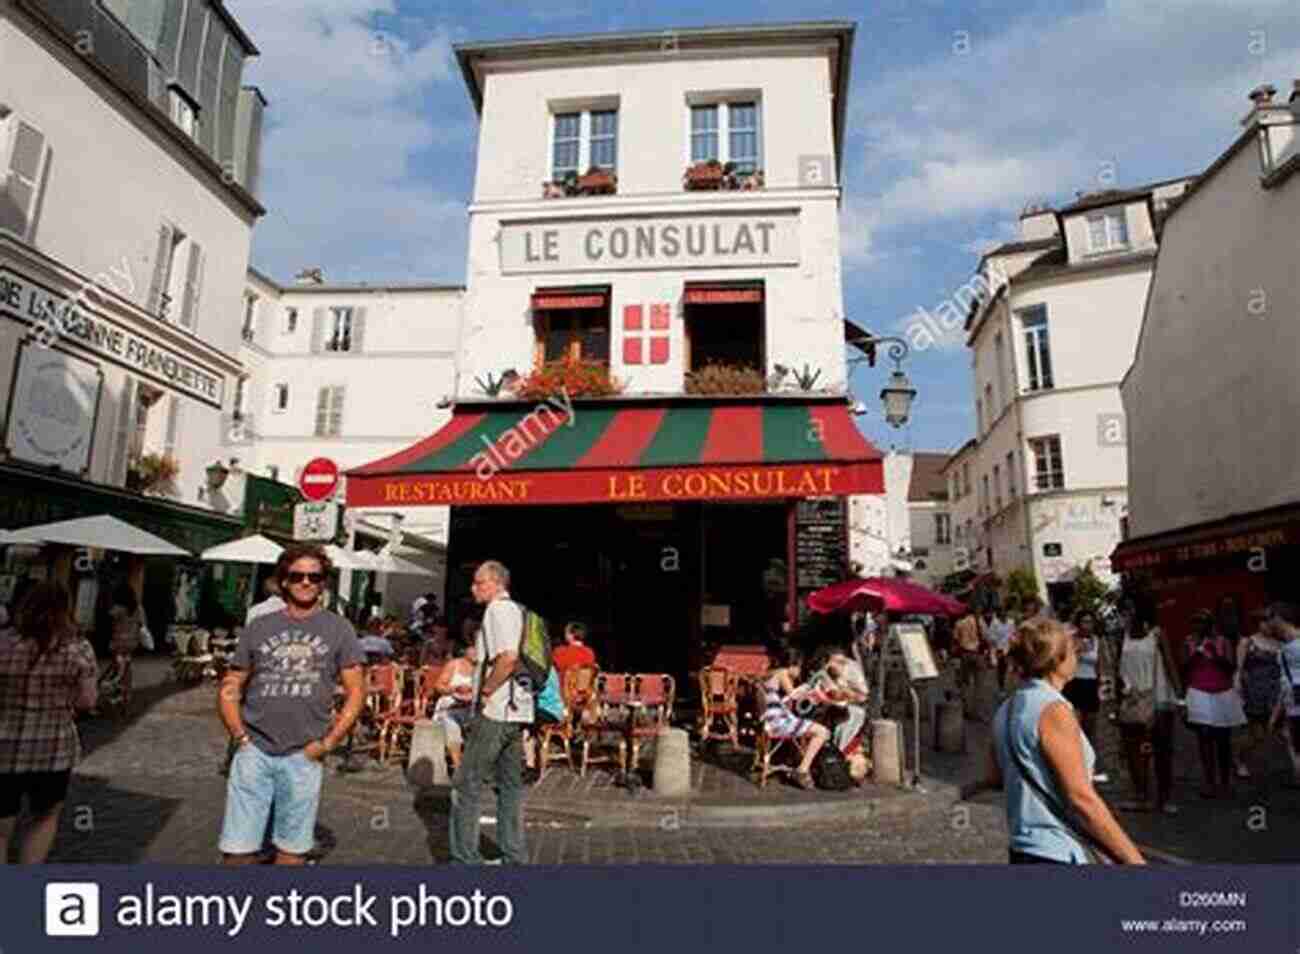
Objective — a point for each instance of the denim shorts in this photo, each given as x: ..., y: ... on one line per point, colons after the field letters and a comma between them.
x: 257, y: 783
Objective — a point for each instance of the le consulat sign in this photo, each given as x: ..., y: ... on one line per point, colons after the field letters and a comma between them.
x: 28, y: 302
x: 650, y: 242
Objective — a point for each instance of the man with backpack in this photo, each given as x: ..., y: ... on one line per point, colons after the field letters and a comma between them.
x: 494, y: 734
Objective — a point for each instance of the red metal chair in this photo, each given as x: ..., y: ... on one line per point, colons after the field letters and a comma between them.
x: 577, y: 687
x: 652, y: 710
x: 400, y: 721
x: 609, y: 715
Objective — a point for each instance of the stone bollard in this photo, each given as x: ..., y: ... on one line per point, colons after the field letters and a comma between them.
x: 427, y: 765
x: 886, y: 752
x: 949, y: 728
x: 672, y: 771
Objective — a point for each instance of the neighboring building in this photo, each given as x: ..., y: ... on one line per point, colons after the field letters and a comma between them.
x: 1051, y: 333
x: 929, y: 519
x: 661, y: 515
x: 350, y: 372
x: 128, y: 154
x: 1212, y: 397
x: 879, y: 530
x: 967, y: 553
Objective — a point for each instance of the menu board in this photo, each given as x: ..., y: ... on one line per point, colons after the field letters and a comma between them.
x: 820, y: 545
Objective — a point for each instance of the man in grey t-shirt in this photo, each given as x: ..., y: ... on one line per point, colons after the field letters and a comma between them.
x: 494, y: 734
x: 276, y: 703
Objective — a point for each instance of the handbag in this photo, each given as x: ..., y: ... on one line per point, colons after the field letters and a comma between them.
x: 1096, y: 852
x: 1138, y: 707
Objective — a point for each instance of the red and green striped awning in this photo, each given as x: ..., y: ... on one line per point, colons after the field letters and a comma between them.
x: 603, y: 453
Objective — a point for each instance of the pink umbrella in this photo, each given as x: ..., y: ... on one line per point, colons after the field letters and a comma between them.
x: 879, y: 593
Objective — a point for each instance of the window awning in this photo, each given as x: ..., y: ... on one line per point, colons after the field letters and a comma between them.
x: 723, y: 293
x: 629, y: 452
x: 565, y: 298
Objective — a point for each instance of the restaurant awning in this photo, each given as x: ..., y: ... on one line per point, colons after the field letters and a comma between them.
x: 553, y: 299
x: 628, y: 452
x: 723, y: 293
x: 1233, y: 539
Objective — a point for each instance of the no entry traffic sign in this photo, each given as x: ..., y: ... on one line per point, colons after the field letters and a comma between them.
x: 319, y: 479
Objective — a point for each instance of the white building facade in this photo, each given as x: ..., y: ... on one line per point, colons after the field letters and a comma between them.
x: 128, y: 152
x: 1045, y: 485
x: 1213, y: 395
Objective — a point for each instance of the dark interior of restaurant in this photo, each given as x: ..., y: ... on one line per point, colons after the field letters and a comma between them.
x: 645, y: 579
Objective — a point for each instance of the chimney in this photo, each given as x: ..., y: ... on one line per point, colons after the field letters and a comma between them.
x: 1262, y: 96
x: 1037, y: 221
x: 310, y: 276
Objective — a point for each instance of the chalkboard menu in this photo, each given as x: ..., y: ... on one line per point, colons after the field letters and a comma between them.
x: 820, y: 545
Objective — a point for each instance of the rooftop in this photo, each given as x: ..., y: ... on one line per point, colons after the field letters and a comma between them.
x: 928, y: 483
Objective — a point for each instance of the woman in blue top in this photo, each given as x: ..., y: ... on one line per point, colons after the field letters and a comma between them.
x: 1039, y: 747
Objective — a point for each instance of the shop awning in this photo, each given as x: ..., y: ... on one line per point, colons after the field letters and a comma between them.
x: 566, y: 298
x: 628, y: 452
x: 1236, y: 539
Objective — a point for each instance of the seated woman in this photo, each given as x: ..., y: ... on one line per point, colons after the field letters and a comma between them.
x: 456, y: 699
x: 781, y: 722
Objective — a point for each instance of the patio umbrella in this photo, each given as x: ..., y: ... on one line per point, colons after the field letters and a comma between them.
x: 254, y: 549
x: 882, y: 593
x: 103, y: 532
x: 347, y: 559
x: 390, y: 563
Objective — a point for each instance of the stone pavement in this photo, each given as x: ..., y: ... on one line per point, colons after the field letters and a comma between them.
x: 148, y: 789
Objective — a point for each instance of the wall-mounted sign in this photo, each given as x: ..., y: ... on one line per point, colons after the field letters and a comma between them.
x: 650, y: 242
x: 52, y: 410
x: 25, y: 301
x: 315, y: 521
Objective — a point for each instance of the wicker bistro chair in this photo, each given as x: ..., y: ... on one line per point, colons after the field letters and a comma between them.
x: 399, y: 722
x: 652, y: 701
x: 578, y: 688
x: 384, y: 685
x: 609, y: 715
x: 767, y: 749
x: 719, y: 700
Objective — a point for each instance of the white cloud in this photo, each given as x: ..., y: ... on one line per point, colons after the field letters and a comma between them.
x: 1131, y: 93
x: 346, y: 117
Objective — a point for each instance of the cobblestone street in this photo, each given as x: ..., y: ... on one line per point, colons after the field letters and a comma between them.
x: 148, y: 789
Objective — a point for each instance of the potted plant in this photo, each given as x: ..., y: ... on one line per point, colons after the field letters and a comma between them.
x: 703, y: 176
x: 156, y: 471
x: 721, y: 378
x: 752, y: 181
x: 561, y: 188
x: 569, y: 376
x: 598, y: 181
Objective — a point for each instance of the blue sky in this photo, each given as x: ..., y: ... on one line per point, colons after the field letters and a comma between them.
x: 959, y: 114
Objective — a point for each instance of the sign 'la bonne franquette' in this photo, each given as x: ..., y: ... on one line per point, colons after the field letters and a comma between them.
x: 77, y: 324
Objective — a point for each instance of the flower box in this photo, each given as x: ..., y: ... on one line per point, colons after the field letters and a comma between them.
x: 704, y: 176
x: 570, y: 377
x: 598, y: 182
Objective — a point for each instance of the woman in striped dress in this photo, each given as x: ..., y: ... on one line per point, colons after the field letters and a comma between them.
x: 786, y: 710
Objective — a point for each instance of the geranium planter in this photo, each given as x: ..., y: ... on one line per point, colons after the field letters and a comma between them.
x: 570, y: 377
x: 704, y: 176
x: 598, y: 182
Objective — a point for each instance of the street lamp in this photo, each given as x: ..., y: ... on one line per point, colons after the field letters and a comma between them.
x: 897, y: 395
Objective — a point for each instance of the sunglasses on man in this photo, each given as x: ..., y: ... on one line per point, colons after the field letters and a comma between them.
x: 315, y: 579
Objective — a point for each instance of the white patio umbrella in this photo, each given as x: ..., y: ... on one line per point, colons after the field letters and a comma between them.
x: 391, y: 563
x: 6, y: 537
x: 254, y: 549
x: 103, y: 532
x: 347, y: 559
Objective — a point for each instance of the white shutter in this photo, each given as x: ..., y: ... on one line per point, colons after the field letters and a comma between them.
x: 358, y: 329
x: 318, y: 317
x: 161, y: 269
x: 336, y: 411
x: 193, y: 285
x: 22, y: 174
x: 173, y: 425
x: 122, y: 433
x: 322, y: 411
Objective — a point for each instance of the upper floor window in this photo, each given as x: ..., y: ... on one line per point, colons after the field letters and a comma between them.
x: 965, y: 480
x: 1001, y: 380
x: 290, y: 320
x: 997, y: 488
x: 249, y: 330
x: 280, y: 398
x: 185, y: 112
x: 329, y: 411
x: 984, y: 493
x: 727, y: 132
x: 1107, y: 231
x: 1038, y: 354
x: 942, y: 529
x: 578, y: 334
x: 1011, y: 474
x: 581, y: 140
x: 24, y: 155
x: 989, y: 405
x: 339, y: 337
x: 1049, y: 471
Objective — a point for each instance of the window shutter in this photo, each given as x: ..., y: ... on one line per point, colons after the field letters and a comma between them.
x: 358, y: 329
x: 336, y: 412
x: 122, y: 433
x: 22, y: 178
x: 322, y: 411
x: 173, y: 425
x: 161, y: 261
x: 318, y: 318
x: 193, y: 285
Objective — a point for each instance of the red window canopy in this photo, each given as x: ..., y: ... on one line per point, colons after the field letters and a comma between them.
x: 698, y: 293
x: 565, y: 298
